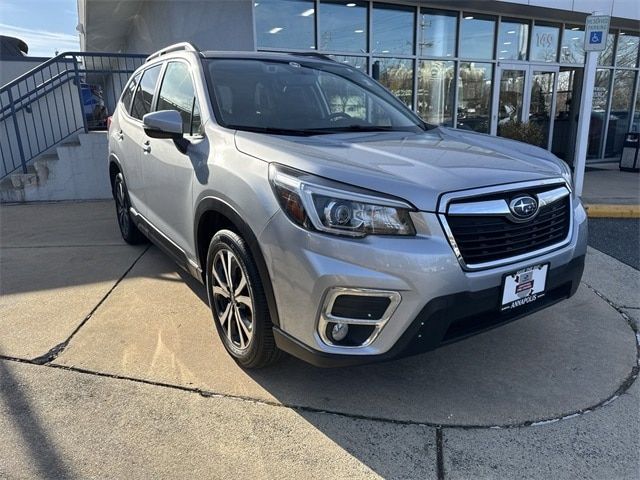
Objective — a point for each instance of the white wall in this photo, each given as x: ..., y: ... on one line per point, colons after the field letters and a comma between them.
x: 210, y: 25
x: 11, y: 69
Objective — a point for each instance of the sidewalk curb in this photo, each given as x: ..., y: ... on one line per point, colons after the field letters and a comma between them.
x: 598, y: 210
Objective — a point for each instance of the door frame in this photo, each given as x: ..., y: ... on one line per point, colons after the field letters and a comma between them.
x: 528, y: 70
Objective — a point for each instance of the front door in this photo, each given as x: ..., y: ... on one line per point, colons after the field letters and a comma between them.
x: 524, y: 93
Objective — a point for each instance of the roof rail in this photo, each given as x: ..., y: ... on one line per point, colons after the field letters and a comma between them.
x: 182, y: 46
x: 321, y: 56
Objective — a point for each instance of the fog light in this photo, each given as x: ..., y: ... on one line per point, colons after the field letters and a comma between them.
x: 339, y: 331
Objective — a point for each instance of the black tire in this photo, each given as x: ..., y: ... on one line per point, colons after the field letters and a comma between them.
x: 248, y: 336
x: 128, y: 228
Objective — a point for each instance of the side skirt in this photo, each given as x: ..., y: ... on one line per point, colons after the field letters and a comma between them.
x: 166, y: 245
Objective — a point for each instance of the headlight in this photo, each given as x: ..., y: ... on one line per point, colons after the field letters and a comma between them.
x: 319, y: 204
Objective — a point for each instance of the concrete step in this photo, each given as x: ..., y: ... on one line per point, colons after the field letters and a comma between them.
x: 74, y: 170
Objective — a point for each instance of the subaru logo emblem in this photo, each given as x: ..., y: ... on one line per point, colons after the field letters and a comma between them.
x: 524, y: 207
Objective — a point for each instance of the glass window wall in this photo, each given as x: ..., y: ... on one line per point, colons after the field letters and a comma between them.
x: 621, y: 100
x: 544, y: 43
x: 474, y: 96
x: 397, y: 75
x: 513, y: 39
x: 436, y: 91
x: 605, y: 57
x: 392, y: 29
x: 572, y: 50
x: 477, y: 36
x: 343, y: 26
x: 627, y: 51
x: 438, y: 33
x: 285, y: 24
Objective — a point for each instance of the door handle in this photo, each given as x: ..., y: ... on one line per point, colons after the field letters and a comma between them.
x: 147, y: 147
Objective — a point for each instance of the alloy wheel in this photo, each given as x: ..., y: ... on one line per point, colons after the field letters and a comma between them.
x: 232, y: 299
x: 122, y: 207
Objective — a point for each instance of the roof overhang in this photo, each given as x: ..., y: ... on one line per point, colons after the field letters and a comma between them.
x: 105, y: 24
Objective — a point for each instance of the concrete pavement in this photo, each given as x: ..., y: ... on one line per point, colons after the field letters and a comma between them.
x: 109, y: 366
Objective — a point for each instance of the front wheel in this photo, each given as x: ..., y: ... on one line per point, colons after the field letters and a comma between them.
x: 238, y: 302
x: 128, y: 228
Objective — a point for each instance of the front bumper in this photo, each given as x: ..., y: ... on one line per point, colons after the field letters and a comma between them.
x: 424, y: 270
x: 445, y: 320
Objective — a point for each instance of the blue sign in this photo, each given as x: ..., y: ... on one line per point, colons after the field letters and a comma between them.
x: 595, y: 38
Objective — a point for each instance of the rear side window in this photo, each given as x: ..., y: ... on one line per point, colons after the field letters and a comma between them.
x: 144, y: 94
x: 129, y: 91
x: 177, y: 93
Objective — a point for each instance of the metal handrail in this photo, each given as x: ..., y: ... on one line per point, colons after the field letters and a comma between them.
x: 44, y: 106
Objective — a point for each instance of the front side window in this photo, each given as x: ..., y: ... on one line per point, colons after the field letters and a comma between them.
x: 129, y: 91
x: 302, y: 98
x: 143, y: 97
x: 177, y: 93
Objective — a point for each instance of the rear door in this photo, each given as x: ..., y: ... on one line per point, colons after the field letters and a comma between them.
x: 132, y: 135
x: 168, y: 172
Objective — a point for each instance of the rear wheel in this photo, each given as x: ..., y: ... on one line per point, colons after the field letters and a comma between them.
x: 128, y: 228
x: 238, y: 302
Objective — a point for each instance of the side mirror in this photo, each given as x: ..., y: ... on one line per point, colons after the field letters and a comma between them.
x: 163, y: 124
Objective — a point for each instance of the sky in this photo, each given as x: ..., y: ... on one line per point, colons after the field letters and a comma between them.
x: 46, y: 26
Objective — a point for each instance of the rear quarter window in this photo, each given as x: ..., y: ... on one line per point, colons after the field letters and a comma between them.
x: 143, y: 97
x: 129, y: 91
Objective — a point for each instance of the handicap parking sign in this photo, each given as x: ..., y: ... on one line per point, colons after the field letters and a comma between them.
x: 595, y: 34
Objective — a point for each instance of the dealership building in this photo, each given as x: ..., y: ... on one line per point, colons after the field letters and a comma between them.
x: 478, y: 65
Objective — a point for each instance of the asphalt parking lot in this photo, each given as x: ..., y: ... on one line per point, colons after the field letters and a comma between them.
x: 110, y: 367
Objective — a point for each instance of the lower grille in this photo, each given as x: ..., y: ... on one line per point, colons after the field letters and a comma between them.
x: 489, y: 238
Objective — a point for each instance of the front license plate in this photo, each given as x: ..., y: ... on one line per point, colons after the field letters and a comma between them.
x: 524, y: 286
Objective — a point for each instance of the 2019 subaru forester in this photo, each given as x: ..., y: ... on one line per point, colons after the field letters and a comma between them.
x: 328, y: 220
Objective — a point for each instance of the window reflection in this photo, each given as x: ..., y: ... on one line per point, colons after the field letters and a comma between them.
x: 512, y: 40
x: 474, y: 96
x: 477, y: 36
x: 572, y: 50
x: 598, y: 112
x: 397, y: 75
x: 285, y: 24
x: 343, y: 26
x: 511, y: 98
x: 436, y: 89
x: 541, y: 102
x: 621, y: 98
x: 359, y: 63
x: 437, y: 34
x: 544, y: 43
x: 605, y: 57
x: 627, y: 52
x: 392, y: 29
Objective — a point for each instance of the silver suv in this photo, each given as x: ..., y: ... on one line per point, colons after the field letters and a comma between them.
x: 326, y: 219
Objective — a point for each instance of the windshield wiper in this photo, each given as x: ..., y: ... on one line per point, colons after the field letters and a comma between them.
x: 357, y: 128
x: 272, y: 130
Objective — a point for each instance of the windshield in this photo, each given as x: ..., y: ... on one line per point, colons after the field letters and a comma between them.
x: 302, y: 98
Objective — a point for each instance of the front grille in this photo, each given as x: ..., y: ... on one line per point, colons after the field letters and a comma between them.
x: 486, y: 238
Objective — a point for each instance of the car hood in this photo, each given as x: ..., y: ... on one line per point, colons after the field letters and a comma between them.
x: 417, y: 167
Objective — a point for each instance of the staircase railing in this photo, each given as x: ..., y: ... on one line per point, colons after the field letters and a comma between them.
x: 68, y: 94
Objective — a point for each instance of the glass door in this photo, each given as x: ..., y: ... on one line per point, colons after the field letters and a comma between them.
x: 525, y: 93
x: 509, y: 100
x: 542, y: 102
